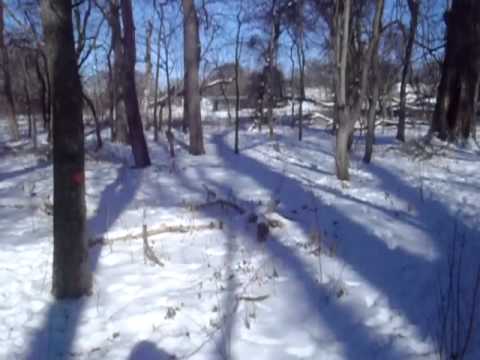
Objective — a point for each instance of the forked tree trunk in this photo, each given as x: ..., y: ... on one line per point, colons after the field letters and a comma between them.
x: 71, y: 269
x: 192, y: 113
x: 346, y: 117
x: 7, y: 82
x: 135, y: 127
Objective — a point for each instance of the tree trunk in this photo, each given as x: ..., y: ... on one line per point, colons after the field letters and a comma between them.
x: 292, y: 85
x: 372, y: 113
x: 342, y: 159
x: 192, y: 112
x: 272, y: 62
x: 238, y: 47
x: 111, y: 93
x: 475, y: 110
x: 347, y: 118
x: 137, y: 137
x: 120, y: 133
x: 342, y: 35
x: 7, y: 82
x: 32, y: 121
x: 455, y: 107
x: 155, y: 94
x: 43, y: 91
x: 414, y: 6
x: 148, y: 73
x: 98, y: 130
x: 301, y: 68
x: 71, y: 269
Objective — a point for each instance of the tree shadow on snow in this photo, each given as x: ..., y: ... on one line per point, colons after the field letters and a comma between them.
x: 55, y: 339
x: 146, y: 350
x: 381, y: 265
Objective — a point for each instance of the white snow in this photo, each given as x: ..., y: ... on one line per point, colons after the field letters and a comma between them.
x: 352, y: 272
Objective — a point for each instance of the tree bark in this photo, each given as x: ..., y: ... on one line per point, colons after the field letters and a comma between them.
x: 455, y: 107
x: 43, y: 91
x: 342, y: 34
x: 300, y: 45
x: 7, y: 81
x: 192, y: 112
x: 372, y: 113
x: 32, y: 121
x: 148, y: 73
x: 414, y: 7
x: 155, y: 93
x: 71, y: 270
x: 120, y: 128
x: 135, y: 127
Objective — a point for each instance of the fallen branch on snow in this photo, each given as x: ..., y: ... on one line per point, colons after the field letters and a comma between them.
x: 182, y: 229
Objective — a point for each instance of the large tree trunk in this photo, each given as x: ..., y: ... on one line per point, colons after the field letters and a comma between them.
x: 71, y: 270
x: 192, y: 113
x: 137, y: 137
x: 414, y: 6
x: 455, y: 107
x: 7, y: 82
x: 120, y: 129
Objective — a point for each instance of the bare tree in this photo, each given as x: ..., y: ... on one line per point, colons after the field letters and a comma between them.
x: 349, y: 115
x: 119, y: 14
x: 71, y: 269
x: 345, y: 123
x: 414, y: 8
x: 135, y: 127
x: 148, y: 70
x: 118, y: 112
x: 271, y: 57
x: 192, y: 113
x: 299, y: 36
x: 238, y: 50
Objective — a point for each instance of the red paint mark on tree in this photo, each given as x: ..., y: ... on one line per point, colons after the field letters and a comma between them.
x: 78, y: 178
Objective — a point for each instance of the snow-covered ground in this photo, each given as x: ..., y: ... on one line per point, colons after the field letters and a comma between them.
x: 350, y: 270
